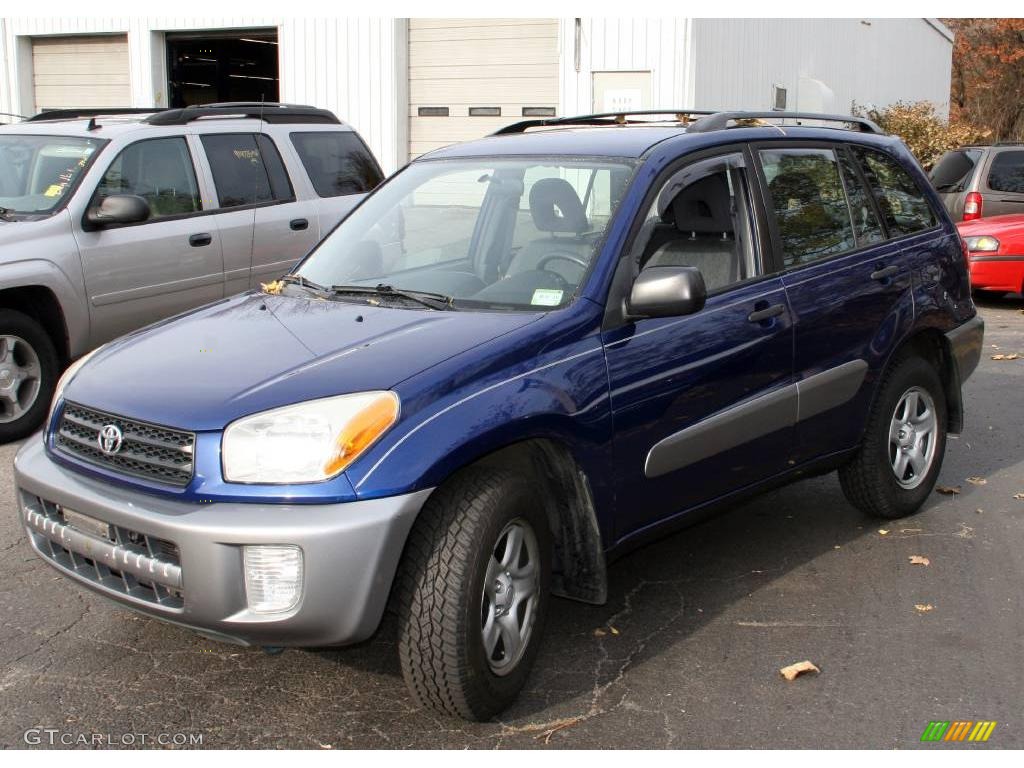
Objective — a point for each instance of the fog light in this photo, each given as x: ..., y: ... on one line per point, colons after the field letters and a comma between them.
x: 273, y: 577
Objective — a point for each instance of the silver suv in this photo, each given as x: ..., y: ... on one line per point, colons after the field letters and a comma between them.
x: 981, y: 181
x: 113, y: 219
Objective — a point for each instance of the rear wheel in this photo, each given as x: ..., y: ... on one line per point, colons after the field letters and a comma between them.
x: 899, y: 460
x: 473, y: 593
x: 28, y: 374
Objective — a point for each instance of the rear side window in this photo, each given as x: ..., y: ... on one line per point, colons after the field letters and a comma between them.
x: 247, y: 169
x: 953, y: 171
x: 338, y: 163
x: 902, y: 203
x: 158, y: 170
x: 808, y: 203
x: 866, y: 226
x: 1006, y: 173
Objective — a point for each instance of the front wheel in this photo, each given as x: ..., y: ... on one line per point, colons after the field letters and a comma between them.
x: 28, y: 374
x: 899, y: 460
x: 473, y: 592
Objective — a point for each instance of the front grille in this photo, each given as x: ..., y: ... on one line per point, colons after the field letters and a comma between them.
x: 149, y: 451
x: 127, y: 562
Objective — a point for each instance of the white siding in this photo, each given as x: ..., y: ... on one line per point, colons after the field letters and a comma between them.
x: 353, y: 66
x: 660, y: 46
x: 825, y: 64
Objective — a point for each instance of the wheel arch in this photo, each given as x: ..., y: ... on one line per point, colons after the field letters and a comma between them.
x: 932, y: 344
x: 42, y: 305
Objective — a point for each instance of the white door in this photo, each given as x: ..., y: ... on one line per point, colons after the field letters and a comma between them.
x: 469, y: 77
x: 80, y: 71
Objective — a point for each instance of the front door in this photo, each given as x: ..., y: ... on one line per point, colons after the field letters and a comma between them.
x: 140, y: 273
x: 702, y: 404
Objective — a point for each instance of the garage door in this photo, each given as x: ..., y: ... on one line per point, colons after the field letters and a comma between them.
x: 80, y: 71
x: 468, y: 77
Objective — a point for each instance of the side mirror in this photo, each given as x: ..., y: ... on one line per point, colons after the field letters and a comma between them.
x: 667, y: 292
x: 118, y: 209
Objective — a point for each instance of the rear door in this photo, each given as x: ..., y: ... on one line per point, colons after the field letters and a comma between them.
x: 703, y: 405
x: 139, y: 273
x: 847, y: 282
x: 265, y: 229
x: 1003, y: 185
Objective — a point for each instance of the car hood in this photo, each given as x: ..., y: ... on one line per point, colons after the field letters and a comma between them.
x: 249, y: 353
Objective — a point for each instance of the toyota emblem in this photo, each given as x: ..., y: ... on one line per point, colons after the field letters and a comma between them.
x: 110, y: 439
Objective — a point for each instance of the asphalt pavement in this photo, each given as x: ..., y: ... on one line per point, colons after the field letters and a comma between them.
x: 686, y: 653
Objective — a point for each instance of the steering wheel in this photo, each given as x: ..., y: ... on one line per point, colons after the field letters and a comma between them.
x: 563, y: 256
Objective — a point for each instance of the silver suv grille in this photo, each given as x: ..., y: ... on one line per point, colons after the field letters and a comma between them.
x: 121, y: 560
x: 149, y: 451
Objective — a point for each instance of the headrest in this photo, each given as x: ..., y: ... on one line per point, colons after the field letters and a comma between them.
x: 704, y: 206
x: 555, y: 207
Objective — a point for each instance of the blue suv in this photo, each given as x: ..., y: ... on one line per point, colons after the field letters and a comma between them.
x: 514, y: 361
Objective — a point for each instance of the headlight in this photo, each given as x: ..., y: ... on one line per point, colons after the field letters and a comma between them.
x: 982, y: 243
x: 307, y: 442
x: 62, y: 382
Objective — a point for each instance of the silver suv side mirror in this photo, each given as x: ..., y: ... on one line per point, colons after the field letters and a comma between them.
x: 667, y: 292
x: 118, y: 209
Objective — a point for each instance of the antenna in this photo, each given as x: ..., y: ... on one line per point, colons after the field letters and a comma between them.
x: 255, y: 189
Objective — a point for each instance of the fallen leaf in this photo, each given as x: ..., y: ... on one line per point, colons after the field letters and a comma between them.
x: 795, y: 670
x: 1019, y: 496
x: 924, y: 607
x: 599, y: 633
x: 977, y: 480
x: 326, y: 746
x: 883, y: 532
x: 1001, y: 356
x: 614, y: 630
x: 978, y: 511
x: 836, y: 547
x: 273, y: 288
x: 919, y: 560
x: 948, y: 490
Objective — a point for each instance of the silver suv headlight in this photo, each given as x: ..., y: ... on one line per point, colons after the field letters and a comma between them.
x: 306, y: 442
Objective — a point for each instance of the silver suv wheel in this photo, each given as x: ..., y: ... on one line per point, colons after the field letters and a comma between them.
x: 20, y: 378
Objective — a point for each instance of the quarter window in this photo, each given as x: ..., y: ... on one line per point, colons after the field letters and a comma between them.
x: 901, y: 201
x: 808, y: 203
x: 158, y: 170
x: 1007, y: 172
x: 338, y: 163
x: 247, y: 169
x: 866, y: 227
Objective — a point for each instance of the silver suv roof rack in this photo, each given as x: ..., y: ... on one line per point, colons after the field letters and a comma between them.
x: 721, y: 120
x: 82, y: 112
x: 271, y: 112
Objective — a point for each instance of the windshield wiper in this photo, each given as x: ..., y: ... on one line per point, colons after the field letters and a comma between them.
x: 427, y: 299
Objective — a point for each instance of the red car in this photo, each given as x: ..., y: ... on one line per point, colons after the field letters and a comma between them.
x: 996, y: 252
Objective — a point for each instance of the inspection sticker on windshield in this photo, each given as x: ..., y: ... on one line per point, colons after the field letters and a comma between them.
x: 546, y: 297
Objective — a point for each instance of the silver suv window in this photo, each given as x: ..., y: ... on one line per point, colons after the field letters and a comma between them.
x: 953, y: 172
x: 338, y: 163
x: 158, y: 170
x: 1006, y: 174
x: 38, y: 172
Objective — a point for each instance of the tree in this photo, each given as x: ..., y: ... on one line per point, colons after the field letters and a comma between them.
x: 987, y: 86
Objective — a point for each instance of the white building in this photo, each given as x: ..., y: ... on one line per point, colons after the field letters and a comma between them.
x: 409, y: 85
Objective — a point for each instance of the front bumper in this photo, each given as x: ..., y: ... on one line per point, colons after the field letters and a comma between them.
x: 350, y: 554
x: 997, y: 273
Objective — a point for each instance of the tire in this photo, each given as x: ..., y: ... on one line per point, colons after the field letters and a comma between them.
x: 28, y: 374
x: 870, y: 481
x: 443, y: 608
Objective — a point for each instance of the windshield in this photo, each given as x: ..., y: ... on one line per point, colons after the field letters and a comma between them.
x: 515, y: 233
x: 37, y: 172
x: 954, y: 169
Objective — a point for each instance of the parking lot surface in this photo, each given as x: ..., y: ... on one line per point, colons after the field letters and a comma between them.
x: 685, y: 654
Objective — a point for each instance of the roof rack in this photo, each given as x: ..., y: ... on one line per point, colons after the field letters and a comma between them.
x: 271, y: 112
x: 720, y: 120
x: 82, y: 112
x: 1008, y: 144
x: 684, y: 116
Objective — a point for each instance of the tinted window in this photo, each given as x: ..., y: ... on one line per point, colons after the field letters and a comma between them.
x: 953, y: 171
x: 159, y: 170
x: 866, y: 227
x: 1007, y: 172
x: 903, y: 205
x: 808, y: 202
x: 338, y: 163
x: 247, y: 169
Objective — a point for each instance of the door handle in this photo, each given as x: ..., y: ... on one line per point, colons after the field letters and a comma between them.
x: 758, y: 315
x: 198, y: 241
x: 298, y: 224
x: 885, y: 272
